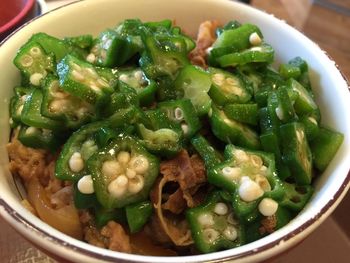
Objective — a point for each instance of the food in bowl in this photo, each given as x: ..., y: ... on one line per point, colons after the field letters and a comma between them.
x: 143, y: 134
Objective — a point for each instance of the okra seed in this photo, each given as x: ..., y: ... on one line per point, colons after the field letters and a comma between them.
x: 206, y: 219
x: 56, y: 105
x: 231, y: 219
x: 35, y: 51
x: 117, y: 187
x: 123, y: 77
x: 76, y: 162
x: 256, y: 160
x: 179, y: 115
x: 91, y: 58
x: 19, y: 110
x: 111, y: 168
x: 102, y: 82
x: 91, y: 72
x: 123, y: 157
x: 259, y: 49
x: 94, y: 87
x: 218, y: 79
x: 122, y: 180
x: 210, y: 112
x: 10, y: 121
x: 279, y: 113
x: 232, y: 173
x: 249, y: 190
x: 263, y: 182
x: 139, y: 164
x: 136, y: 184
x: 76, y: 66
x: 210, y: 235
x: 46, y: 132
x: 77, y: 75
x: 31, y: 130
x: 85, y: 185
x: 221, y: 209
x: 138, y: 75
x: 232, y: 82
x: 230, y: 233
x: 300, y: 135
x: 208, y: 50
x: 241, y: 156
x: 255, y: 39
x: 36, y: 78
x: 26, y: 61
x: 268, y: 207
x: 184, y: 128
x: 130, y: 173
x: 312, y: 119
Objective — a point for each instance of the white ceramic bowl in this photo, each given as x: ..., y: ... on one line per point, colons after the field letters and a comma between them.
x: 92, y: 17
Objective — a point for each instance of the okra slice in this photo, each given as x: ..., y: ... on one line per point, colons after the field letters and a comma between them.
x: 71, y: 163
x: 39, y: 138
x: 234, y: 39
x: 324, y: 147
x: 249, y: 176
x: 214, y: 226
x: 311, y: 122
x: 138, y: 214
x: 288, y: 71
x: 304, y: 102
x: 296, y: 196
x: 31, y: 114
x: 296, y: 152
x: 195, y: 83
x: 83, y: 80
x: 61, y: 105
x: 159, y: 60
x: 209, y: 154
x: 111, y: 49
x: 82, y: 41
x: 145, y: 88
x: 232, y: 131
x: 183, y: 112
x: 264, y: 53
x: 228, y: 88
x: 279, y: 105
x: 161, y: 136
x: 245, y: 113
x: 123, y: 173
x: 58, y: 47
x: 17, y: 102
x: 34, y: 63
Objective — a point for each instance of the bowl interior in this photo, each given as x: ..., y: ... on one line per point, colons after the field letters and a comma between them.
x: 94, y: 16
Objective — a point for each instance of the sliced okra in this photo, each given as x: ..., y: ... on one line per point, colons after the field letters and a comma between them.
x: 83, y: 80
x: 144, y: 87
x: 61, y: 105
x: 34, y: 62
x: 228, y: 88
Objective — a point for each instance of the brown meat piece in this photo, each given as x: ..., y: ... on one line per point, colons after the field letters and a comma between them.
x: 188, y: 172
x: 205, y: 38
x: 24, y: 161
x: 175, y: 203
x: 118, y: 239
x: 268, y: 225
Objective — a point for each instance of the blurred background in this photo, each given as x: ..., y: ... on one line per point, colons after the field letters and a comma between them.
x: 327, y: 22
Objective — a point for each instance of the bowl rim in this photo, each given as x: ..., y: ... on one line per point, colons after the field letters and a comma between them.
x: 15, y: 20
x: 307, y: 225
